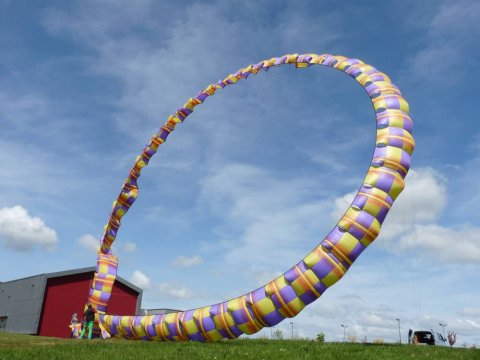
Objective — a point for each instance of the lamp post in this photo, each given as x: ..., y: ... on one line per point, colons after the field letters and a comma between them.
x: 271, y: 332
x: 344, y: 336
x: 399, y: 332
x: 292, y: 329
x: 443, y: 327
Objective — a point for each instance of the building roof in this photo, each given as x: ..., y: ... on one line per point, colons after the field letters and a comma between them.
x: 75, y: 272
x: 157, y: 311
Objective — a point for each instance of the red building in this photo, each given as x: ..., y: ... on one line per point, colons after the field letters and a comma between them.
x: 44, y: 304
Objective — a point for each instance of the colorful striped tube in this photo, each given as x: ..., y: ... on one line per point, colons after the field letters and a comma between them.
x: 285, y: 296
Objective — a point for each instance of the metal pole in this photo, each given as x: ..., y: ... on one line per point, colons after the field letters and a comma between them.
x: 399, y: 332
x: 292, y: 329
x: 344, y: 335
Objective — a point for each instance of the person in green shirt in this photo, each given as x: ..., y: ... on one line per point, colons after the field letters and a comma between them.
x: 89, y: 317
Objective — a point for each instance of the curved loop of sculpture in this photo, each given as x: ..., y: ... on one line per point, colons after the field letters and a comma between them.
x: 285, y: 296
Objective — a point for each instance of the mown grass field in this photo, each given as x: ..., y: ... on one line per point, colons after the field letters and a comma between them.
x: 15, y: 346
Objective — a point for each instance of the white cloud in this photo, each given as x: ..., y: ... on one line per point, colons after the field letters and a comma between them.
x: 177, y: 295
x: 444, y: 244
x: 185, y: 261
x: 343, y: 143
x: 268, y: 222
x: 21, y: 232
x: 173, y: 291
x: 449, y: 32
x: 34, y: 170
x: 362, y: 319
x: 422, y: 201
x: 264, y: 277
x: 163, y: 217
x: 144, y: 65
x: 341, y: 205
x: 145, y: 69
x: 140, y: 279
x: 129, y: 246
x: 118, y: 247
x: 19, y: 109
x: 459, y: 16
x: 411, y: 224
x: 471, y: 311
x: 89, y: 242
x: 463, y: 328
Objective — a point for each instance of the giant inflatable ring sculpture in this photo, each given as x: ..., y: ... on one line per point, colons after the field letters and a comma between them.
x: 285, y: 296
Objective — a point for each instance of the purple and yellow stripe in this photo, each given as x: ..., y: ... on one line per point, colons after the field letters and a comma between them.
x: 288, y: 294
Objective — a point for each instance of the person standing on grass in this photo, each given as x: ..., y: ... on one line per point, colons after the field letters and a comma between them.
x: 75, y: 326
x: 89, y: 317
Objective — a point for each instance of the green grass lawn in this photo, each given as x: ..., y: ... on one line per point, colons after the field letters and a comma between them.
x: 15, y: 346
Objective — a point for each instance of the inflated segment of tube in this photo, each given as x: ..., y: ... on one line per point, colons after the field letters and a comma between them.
x: 285, y: 296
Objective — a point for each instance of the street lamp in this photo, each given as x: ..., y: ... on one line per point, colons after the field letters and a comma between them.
x: 399, y: 333
x: 271, y: 332
x: 344, y: 327
x: 443, y: 327
x: 292, y: 329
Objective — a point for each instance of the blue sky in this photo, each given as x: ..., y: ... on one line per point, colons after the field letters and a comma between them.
x: 260, y: 173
